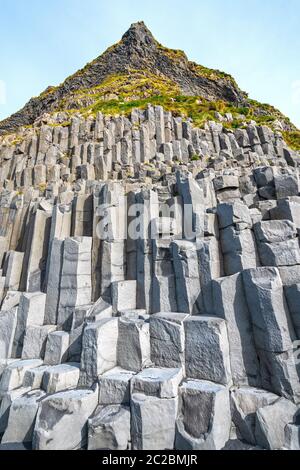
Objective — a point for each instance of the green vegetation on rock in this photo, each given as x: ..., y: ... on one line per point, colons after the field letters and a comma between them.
x: 173, y: 54
x: 214, y: 74
x: 119, y: 94
x: 138, y: 70
x: 292, y: 139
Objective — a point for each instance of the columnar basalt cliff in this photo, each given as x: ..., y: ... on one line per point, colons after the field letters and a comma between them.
x: 150, y: 281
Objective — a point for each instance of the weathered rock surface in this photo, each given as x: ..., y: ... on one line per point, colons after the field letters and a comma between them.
x: 204, y: 416
x: 22, y: 417
x: 109, y: 428
x: 153, y: 422
x: 61, y: 423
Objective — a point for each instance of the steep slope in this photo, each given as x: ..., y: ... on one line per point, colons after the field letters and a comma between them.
x: 139, y: 53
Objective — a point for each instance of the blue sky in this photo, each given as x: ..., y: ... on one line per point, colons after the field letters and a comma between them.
x: 258, y: 42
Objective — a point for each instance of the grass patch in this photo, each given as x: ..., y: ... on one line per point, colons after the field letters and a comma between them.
x: 48, y: 91
x: 173, y: 54
x: 120, y: 94
x: 214, y: 74
x: 292, y: 139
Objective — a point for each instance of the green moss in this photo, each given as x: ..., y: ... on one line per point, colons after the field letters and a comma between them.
x: 14, y: 139
x: 126, y: 88
x: 264, y: 113
x: 48, y: 91
x: 263, y: 106
x: 42, y: 187
x: 135, y: 83
x: 173, y: 54
x: 179, y: 106
x: 60, y: 124
x: 292, y: 139
x: 120, y: 94
x: 17, y: 140
x: 245, y: 111
x: 214, y: 74
x: 129, y: 94
x: 112, y: 48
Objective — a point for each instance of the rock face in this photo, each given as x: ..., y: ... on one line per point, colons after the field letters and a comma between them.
x: 150, y: 277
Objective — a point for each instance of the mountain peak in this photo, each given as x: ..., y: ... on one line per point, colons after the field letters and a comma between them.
x: 146, y: 69
x: 139, y: 34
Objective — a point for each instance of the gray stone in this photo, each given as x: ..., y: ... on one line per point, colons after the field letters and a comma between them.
x: 109, y: 428
x: 22, y: 417
x: 14, y: 270
x: 100, y: 310
x: 6, y: 402
x: 57, y: 348
x: 112, y: 265
x: 13, y: 375
x: 163, y: 283
x: 292, y: 294
x: 193, y: 199
x: 292, y: 437
x: 271, y: 422
x: 161, y: 383
x: 123, y: 295
x: 207, y: 349
x: 245, y: 402
x: 288, y: 209
x: 275, y: 231
x: 285, y: 253
x: 280, y: 373
x: 263, y: 176
x: 168, y: 339
x: 204, y: 419
x: 33, y: 378
x: 114, y: 387
x: 75, y: 286
x: 62, y: 418
x: 153, y: 422
x: 210, y: 268
x: 35, y: 261
x: 4, y: 363
x: 61, y: 377
x: 290, y: 275
x: 99, y: 350
x: 31, y: 312
x: 239, y: 250
x: 55, y: 263
x: 11, y: 300
x: 286, y: 186
x: 35, y: 341
x: 231, y: 214
x: 133, y: 347
x: 230, y: 304
x: 8, y: 323
x: 225, y: 182
x: 186, y: 269
x: 267, y: 305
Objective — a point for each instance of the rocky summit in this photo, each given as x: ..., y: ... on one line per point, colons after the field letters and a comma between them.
x: 150, y: 261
